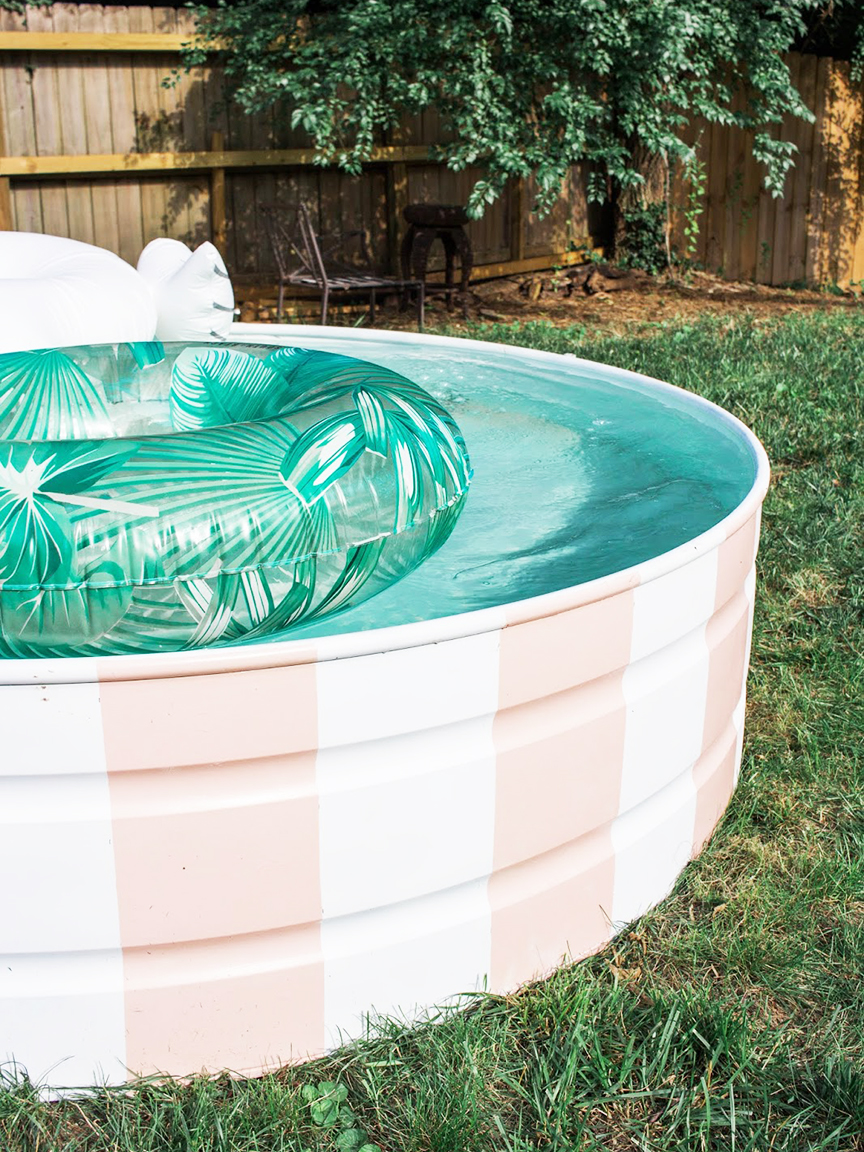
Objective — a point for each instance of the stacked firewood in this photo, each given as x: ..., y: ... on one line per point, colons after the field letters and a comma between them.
x: 590, y: 278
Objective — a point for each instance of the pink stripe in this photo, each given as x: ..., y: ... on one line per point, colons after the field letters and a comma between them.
x: 559, y: 739
x: 215, y: 815
x: 188, y: 1010
x: 544, y: 656
x: 551, y: 908
x: 209, y: 719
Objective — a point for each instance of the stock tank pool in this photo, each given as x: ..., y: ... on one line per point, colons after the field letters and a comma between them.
x: 229, y: 857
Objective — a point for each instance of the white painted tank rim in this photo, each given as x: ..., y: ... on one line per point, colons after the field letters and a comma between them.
x: 282, y: 653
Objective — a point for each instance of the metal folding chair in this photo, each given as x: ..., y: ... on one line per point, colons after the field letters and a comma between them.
x: 306, y: 259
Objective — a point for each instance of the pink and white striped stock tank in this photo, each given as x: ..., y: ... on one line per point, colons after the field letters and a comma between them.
x: 231, y: 857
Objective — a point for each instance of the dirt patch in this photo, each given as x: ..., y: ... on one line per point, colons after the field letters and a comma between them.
x: 641, y: 301
x: 547, y: 296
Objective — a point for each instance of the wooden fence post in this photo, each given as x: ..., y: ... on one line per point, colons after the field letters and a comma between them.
x: 397, y: 198
x: 218, y: 216
x: 5, y: 205
x: 5, y: 190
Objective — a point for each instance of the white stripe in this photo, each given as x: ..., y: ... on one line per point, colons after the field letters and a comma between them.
x: 653, y: 843
x: 406, y: 779
x: 103, y: 505
x: 405, y: 960
x: 61, y: 969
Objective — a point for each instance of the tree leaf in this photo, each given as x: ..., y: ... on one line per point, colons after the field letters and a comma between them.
x: 349, y: 1138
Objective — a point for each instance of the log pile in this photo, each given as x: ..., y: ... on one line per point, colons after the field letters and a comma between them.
x: 590, y: 278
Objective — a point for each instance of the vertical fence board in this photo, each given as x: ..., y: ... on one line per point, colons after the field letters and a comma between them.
x: 717, y: 187
x: 121, y: 97
x: 831, y: 213
x: 781, y: 243
x: 397, y: 197
x: 679, y: 194
x: 748, y: 217
x: 180, y: 192
x: 767, y: 211
x: 702, y: 145
x: 516, y: 214
x: 261, y: 134
x: 96, y: 100
x: 816, y: 265
x: 734, y: 208
x: 6, y: 213
x: 843, y: 140
x: 74, y: 114
x: 48, y: 139
x: 149, y: 128
x: 796, y: 270
x: 16, y: 107
x: 241, y: 187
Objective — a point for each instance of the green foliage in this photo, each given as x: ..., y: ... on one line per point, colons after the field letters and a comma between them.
x: 21, y: 6
x: 329, y: 1108
x: 697, y: 175
x: 524, y: 87
x: 644, y: 238
x: 835, y: 28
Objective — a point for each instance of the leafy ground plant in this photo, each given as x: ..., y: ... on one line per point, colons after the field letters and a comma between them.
x: 731, y: 1017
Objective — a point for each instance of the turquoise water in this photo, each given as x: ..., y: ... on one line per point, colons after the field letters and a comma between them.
x: 578, y: 472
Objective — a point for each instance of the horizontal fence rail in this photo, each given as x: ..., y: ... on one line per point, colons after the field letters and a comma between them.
x: 95, y: 41
x: 116, y: 162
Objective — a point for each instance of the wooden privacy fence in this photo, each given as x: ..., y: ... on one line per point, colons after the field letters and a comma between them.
x: 94, y: 146
x: 815, y: 232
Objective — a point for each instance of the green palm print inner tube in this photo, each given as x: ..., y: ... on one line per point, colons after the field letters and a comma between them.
x: 158, y: 497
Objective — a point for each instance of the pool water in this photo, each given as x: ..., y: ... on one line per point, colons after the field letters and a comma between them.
x: 580, y: 470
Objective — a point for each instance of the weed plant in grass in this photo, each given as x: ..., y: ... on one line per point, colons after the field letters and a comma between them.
x: 731, y: 1017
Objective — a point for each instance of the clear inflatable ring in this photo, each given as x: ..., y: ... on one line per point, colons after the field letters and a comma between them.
x: 157, y: 497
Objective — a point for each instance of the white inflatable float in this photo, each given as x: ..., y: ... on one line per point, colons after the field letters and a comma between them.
x: 191, y: 290
x: 56, y: 292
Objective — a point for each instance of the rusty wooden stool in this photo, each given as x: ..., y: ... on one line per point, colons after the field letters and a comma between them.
x: 431, y: 222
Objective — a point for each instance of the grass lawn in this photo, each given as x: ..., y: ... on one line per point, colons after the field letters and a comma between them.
x: 731, y: 1017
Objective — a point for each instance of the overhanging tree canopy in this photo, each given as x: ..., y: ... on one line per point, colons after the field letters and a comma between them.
x: 527, y: 87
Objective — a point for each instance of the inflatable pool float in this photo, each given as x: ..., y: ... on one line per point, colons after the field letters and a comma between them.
x: 191, y: 290
x: 58, y: 291
x: 55, y: 291
x: 161, y: 497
